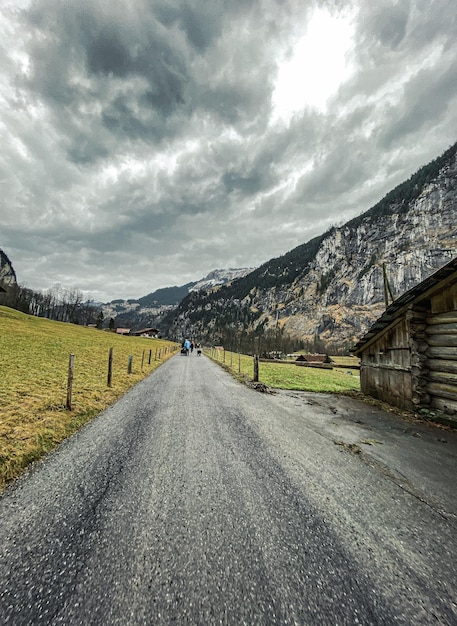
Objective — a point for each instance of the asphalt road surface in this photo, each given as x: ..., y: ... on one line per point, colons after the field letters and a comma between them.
x: 196, y: 500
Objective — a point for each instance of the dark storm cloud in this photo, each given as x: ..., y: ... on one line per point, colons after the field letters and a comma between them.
x: 343, y: 166
x: 431, y: 22
x: 385, y: 24
x: 201, y: 23
x: 126, y: 74
x: 117, y: 73
x: 425, y: 97
x: 117, y: 52
x: 142, y: 138
x: 248, y: 183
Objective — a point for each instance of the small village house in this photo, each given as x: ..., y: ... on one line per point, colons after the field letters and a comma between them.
x: 312, y: 359
x: 409, y: 355
x: 146, y: 332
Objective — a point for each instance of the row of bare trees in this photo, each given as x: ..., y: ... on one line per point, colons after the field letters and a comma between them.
x: 57, y: 303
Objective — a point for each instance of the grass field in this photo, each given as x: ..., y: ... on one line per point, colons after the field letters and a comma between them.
x: 34, y: 356
x: 341, y: 379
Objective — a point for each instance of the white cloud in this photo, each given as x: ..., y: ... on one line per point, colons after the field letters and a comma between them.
x: 145, y: 144
x: 318, y: 64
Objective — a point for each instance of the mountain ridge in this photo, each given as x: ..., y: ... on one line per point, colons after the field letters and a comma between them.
x: 331, y: 288
x: 149, y: 310
x: 327, y: 290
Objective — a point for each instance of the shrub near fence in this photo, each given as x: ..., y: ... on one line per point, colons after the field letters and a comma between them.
x: 34, y: 373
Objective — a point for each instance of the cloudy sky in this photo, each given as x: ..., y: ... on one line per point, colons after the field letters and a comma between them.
x: 145, y: 143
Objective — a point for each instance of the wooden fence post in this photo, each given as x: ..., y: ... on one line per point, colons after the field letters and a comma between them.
x: 142, y: 361
x: 256, y: 369
x: 150, y: 355
x: 239, y: 362
x: 71, y: 364
x: 129, y: 365
x: 110, y: 366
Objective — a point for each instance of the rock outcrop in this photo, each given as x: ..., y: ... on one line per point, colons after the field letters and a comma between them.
x: 7, y: 273
x: 344, y: 289
x: 335, y: 286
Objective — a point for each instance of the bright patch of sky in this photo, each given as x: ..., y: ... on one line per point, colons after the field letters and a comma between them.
x: 318, y: 65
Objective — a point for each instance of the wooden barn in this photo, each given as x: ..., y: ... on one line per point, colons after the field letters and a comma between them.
x: 146, y: 332
x: 313, y: 358
x: 409, y: 355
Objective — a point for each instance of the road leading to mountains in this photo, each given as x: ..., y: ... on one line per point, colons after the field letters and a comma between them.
x: 195, y: 500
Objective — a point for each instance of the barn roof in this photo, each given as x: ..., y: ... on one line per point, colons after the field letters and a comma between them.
x: 312, y: 358
x: 421, y: 291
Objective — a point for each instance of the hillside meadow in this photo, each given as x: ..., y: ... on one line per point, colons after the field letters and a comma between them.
x: 343, y: 378
x: 34, y: 360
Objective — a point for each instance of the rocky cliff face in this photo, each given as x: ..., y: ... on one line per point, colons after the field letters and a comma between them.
x: 333, y: 288
x: 7, y: 273
x: 343, y: 292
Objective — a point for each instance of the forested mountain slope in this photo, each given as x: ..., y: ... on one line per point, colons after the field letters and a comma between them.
x: 331, y: 288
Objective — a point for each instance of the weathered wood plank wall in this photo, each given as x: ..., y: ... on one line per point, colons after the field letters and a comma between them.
x: 386, y: 367
x: 442, y: 350
x: 412, y: 361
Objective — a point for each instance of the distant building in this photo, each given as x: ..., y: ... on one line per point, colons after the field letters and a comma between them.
x: 146, y: 332
x: 313, y: 358
x: 123, y: 331
x: 275, y: 354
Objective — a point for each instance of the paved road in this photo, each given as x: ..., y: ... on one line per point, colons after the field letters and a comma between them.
x: 195, y: 500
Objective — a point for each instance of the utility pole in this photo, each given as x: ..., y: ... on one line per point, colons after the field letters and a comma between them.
x: 387, y: 288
